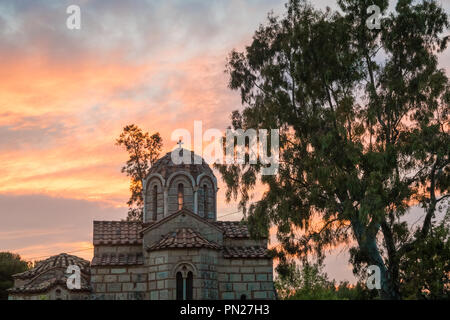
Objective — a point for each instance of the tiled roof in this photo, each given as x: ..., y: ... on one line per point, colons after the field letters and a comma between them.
x: 183, y: 238
x: 118, y: 259
x: 183, y: 212
x: 245, y: 252
x: 233, y: 229
x: 117, y: 232
x: 62, y: 260
x: 165, y: 165
x: 41, y: 286
x: 41, y: 278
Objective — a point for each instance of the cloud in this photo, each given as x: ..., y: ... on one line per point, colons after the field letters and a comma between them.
x: 36, y: 225
x: 65, y: 96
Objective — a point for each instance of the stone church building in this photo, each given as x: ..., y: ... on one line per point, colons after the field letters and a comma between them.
x: 180, y: 251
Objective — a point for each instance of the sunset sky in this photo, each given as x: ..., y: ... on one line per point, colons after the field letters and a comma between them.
x: 65, y: 95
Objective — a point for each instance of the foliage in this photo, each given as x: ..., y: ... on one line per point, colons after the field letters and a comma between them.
x: 143, y: 150
x: 363, y: 119
x: 425, y: 271
x: 306, y: 283
x: 310, y: 282
x: 10, y: 263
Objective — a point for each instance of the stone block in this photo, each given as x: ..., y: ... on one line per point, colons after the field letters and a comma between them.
x: 103, y: 271
x: 128, y: 286
x: 100, y: 287
x: 136, y: 296
x: 239, y: 287
x: 110, y: 278
x: 223, y: 277
x: 121, y: 296
x: 154, y: 295
x: 254, y: 286
x: 163, y: 267
x: 124, y: 278
x: 226, y: 286
x: 138, y: 270
x: 237, y: 262
x: 263, y: 269
x: 118, y: 270
x: 228, y: 295
x: 260, y: 295
x: 266, y: 286
x: 97, y: 278
x: 164, y: 295
x: 114, y: 287
x: 162, y: 275
x: 248, y: 277
x: 261, y: 277
x: 235, y: 277
x: 140, y: 287
x: 246, y: 270
x: 139, y: 277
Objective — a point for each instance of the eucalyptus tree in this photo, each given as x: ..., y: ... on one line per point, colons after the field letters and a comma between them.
x: 363, y: 119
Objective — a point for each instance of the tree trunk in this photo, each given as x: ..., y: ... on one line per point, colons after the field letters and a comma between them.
x: 368, y: 247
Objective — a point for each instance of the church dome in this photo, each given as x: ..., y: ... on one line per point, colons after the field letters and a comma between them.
x: 165, y: 166
x: 170, y: 187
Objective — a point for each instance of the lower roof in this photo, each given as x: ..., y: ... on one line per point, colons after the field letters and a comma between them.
x: 44, y: 286
x: 117, y: 259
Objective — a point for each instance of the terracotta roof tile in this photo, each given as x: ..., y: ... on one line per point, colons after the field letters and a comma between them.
x: 165, y: 165
x: 42, y: 286
x: 183, y: 238
x: 233, y: 229
x: 42, y: 278
x: 118, y: 259
x: 117, y: 232
x: 245, y: 252
x: 62, y: 260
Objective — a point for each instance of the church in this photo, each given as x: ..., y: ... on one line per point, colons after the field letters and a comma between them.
x: 179, y: 252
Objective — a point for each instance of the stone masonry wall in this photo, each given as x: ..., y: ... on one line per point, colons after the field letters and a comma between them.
x: 183, y: 221
x: 250, y: 277
x: 162, y: 272
x: 119, y: 283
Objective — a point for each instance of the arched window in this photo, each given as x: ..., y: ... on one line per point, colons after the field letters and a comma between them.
x: 205, y: 201
x: 155, y: 202
x: 179, y: 286
x: 185, y: 285
x: 189, y: 286
x: 180, y: 196
x: 243, y: 297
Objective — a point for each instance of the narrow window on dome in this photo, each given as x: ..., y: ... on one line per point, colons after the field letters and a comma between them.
x: 180, y: 196
x: 205, y: 201
x: 155, y: 202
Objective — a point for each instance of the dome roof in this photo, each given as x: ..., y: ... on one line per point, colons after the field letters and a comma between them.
x: 165, y: 166
x: 62, y: 260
